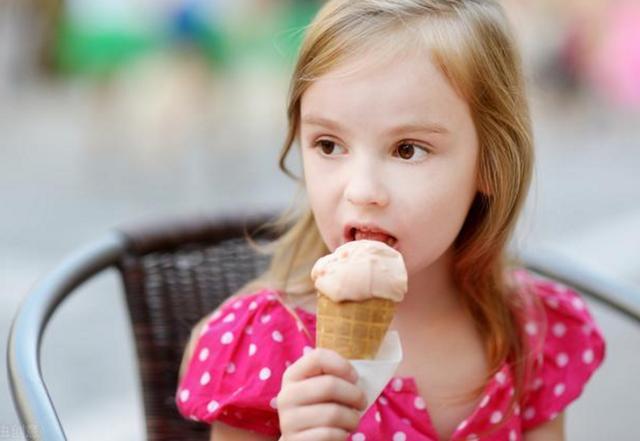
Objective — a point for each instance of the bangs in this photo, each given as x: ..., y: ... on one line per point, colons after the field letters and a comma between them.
x: 350, y: 50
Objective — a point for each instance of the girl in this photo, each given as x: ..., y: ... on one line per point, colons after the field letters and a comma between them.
x: 412, y: 124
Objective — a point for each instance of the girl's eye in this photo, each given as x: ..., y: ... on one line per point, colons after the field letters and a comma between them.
x: 407, y: 150
x: 327, y: 147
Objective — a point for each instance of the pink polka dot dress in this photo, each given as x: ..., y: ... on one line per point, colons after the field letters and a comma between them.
x: 236, y: 369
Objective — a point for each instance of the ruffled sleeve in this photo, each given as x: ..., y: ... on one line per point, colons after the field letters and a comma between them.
x: 568, y: 348
x: 235, y: 372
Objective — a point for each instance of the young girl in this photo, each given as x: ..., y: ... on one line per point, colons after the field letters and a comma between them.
x: 413, y: 128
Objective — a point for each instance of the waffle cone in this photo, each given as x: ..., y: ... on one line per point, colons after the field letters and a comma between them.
x: 353, y: 329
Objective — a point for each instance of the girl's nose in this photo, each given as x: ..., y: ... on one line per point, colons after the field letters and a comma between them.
x: 365, y: 186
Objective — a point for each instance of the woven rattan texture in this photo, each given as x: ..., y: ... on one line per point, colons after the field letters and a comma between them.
x: 167, y: 294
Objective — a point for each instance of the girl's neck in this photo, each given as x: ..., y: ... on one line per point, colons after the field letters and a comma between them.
x: 432, y: 296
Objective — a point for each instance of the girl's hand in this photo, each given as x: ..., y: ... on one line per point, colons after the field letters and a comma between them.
x: 319, y: 400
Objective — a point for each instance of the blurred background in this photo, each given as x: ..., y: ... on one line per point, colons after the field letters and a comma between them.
x: 119, y: 111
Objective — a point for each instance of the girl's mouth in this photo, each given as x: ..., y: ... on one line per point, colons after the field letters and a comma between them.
x: 357, y: 234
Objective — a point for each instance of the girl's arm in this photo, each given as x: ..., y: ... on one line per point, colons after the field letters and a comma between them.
x: 224, y: 432
x: 550, y: 431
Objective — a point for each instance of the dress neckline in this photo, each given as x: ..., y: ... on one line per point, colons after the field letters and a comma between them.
x: 410, y: 385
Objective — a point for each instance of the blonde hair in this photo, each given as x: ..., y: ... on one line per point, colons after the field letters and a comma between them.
x: 472, y: 43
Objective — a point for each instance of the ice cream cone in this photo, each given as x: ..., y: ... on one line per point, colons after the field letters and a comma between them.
x: 354, y: 329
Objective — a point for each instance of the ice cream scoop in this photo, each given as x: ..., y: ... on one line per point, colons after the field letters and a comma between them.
x: 360, y: 270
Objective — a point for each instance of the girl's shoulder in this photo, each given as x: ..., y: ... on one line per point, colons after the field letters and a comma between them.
x: 545, y: 301
x: 565, y: 346
x: 239, y: 355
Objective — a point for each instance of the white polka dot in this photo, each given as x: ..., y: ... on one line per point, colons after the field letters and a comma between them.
x: 587, y: 356
x: 231, y: 368
x: 558, y: 389
x: 226, y: 338
x: 472, y: 437
x: 265, y: 373
x: 531, y: 328
x: 229, y: 318
x: 274, y: 403
x: 501, y: 377
x: 204, y: 354
x: 184, y: 395
x: 249, y: 330
x: 562, y: 359
x: 399, y: 436
x: 397, y: 384
x: 377, y: 416
x: 559, y: 329
x: 496, y: 417
x: 577, y: 303
x: 206, y: 377
x: 358, y: 437
x: 237, y: 305
x: 306, y: 350
x: 511, y: 391
x: 253, y: 305
x: 529, y: 413
x: 553, y: 302
x: 560, y: 288
x: 213, y: 406
x: 194, y: 418
x: 419, y: 403
x: 265, y: 318
x: 462, y: 425
x: 271, y: 297
x: 277, y: 336
x: 252, y: 349
x: 383, y: 401
x: 485, y: 401
x: 537, y: 383
x: 516, y: 409
x: 300, y: 326
x: 513, y: 436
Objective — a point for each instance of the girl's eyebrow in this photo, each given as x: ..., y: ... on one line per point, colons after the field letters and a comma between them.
x: 429, y: 127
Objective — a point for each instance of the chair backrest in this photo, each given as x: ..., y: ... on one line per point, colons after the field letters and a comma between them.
x: 173, y: 276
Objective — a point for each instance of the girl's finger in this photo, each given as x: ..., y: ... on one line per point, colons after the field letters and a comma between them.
x: 318, y: 362
x: 324, y: 415
x: 322, y: 389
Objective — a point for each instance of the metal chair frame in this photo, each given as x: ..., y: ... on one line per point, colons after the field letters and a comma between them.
x: 30, y: 396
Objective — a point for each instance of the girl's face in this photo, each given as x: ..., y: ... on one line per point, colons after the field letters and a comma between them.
x: 392, y: 146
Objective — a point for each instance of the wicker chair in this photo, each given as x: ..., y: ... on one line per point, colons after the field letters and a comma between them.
x: 173, y: 275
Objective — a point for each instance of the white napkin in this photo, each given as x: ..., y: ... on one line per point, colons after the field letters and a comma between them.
x: 375, y: 374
